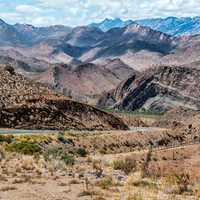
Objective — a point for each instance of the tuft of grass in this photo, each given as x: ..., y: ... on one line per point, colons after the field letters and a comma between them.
x: 24, y: 148
x: 81, y: 152
x: 177, y: 184
x: 7, y: 188
x: 136, y: 196
x: 128, y: 165
x: 99, y: 198
x: 68, y: 159
x: 105, y: 183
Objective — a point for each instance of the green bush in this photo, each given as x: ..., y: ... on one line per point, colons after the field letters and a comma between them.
x: 24, y: 148
x: 81, y: 152
x: 60, y: 154
x: 61, y: 137
x: 68, y: 159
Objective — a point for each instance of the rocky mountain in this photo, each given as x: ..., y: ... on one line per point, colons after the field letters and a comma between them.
x: 24, y: 34
x: 157, y: 89
x: 8, y: 34
x: 108, y: 24
x: 31, y: 35
x: 83, y: 62
x: 31, y: 105
x: 85, y: 82
x: 171, y: 25
x: 137, y: 46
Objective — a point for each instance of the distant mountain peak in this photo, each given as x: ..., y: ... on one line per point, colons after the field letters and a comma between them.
x: 108, y: 24
x: 2, y: 22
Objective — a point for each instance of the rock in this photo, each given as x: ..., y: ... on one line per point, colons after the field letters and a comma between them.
x: 30, y: 105
x: 160, y: 89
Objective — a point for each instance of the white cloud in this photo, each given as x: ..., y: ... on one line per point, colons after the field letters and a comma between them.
x: 80, y: 12
x: 28, y: 9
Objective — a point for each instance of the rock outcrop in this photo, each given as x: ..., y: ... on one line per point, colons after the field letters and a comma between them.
x: 30, y: 105
x: 158, y: 89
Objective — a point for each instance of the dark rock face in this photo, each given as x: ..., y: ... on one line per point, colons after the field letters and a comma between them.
x: 30, y: 105
x: 157, y: 89
x: 59, y: 115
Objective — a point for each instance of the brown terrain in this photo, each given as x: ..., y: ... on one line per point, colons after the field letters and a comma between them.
x: 158, y: 89
x: 87, y: 81
x: 146, y: 146
x: 160, y: 164
x: 59, y: 55
x: 26, y: 104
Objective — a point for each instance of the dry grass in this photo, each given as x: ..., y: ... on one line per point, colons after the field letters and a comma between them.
x: 7, y: 188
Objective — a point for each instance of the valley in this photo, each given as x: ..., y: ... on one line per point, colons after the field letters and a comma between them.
x: 105, y: 111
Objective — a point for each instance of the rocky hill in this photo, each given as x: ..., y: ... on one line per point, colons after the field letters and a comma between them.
x: 30, y: 105
x: 85, y: 82
x: 157, y: 89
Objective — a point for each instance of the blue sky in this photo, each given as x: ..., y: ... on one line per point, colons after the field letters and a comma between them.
x: 81, y: 12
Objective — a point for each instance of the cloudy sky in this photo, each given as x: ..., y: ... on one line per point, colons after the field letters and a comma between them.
x: 80, y: 12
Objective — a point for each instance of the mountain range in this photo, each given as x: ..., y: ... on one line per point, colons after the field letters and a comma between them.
x: 86, y: 61
x: 171, y: 25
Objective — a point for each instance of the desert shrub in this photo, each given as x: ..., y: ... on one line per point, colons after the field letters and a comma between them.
x: 144, y: 183
x: 68, y: 159
x: 99, y: 198
x: 176, y: 183
x: 136, y: 196
x: 34, y: 138
x: 81, y: 152
x: 128, y: 165
x: 61, y: 137
x: 97, y: 166
x: 2, y: 153
x: 118, y: 164
x: 52, y: 153
x: 105, y: 183
x: 24, y: 148
x: 7, y: 188
x: 60, y: 154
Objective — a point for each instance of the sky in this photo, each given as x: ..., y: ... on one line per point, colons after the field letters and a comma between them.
x: 82, y: 12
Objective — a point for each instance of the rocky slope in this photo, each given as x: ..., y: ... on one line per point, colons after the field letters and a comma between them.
x: 86, y: 82
x: 30, y: 105
x: 157, y: 89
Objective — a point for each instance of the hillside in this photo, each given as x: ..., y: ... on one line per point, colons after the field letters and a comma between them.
x: 30, y: 105
x: 85, y: 82
x: 157, y: 89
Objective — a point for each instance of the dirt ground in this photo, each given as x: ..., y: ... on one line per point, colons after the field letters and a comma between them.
x: 27, y: 178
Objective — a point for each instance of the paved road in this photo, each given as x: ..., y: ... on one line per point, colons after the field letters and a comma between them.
x: 44, y: 132
x: 26, y: 132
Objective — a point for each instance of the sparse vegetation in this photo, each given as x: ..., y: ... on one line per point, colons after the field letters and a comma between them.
x: 60, y: 154
x: 24, y: 148
x: 82, y: 152
x: 177, y: 184
x: 105, y: 183
x: 127, y: 165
